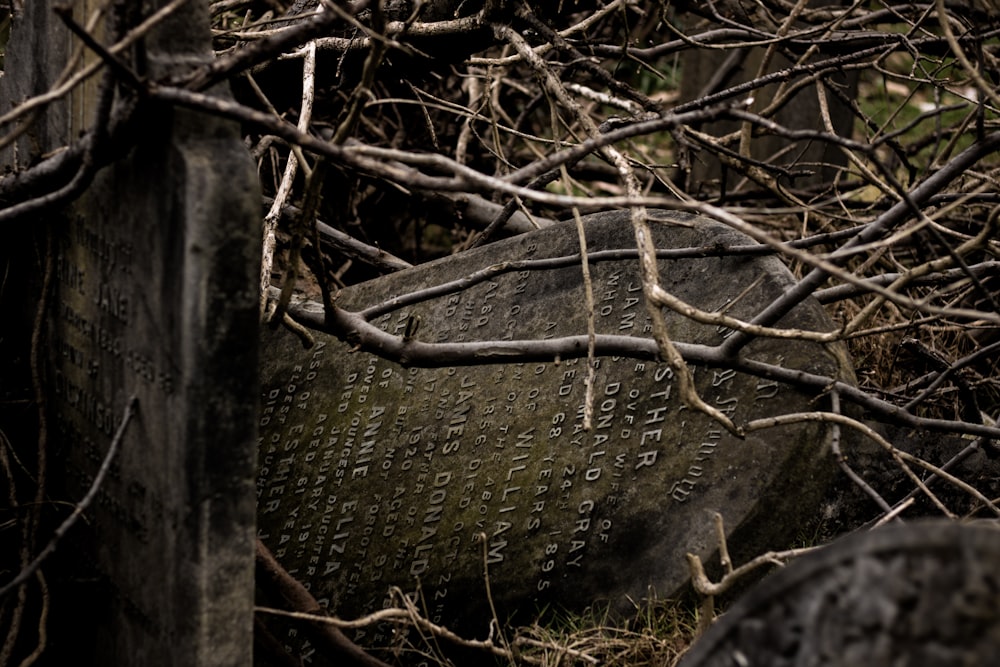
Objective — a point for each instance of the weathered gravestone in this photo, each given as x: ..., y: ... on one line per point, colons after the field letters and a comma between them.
x: 373, y: 475
x: 920, y: 595
x: 154, y: 296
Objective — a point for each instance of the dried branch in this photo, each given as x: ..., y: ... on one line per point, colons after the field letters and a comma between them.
x: 885, y: 222
x: 260, y: 51
x: 293, y: 593
x: 291, y: 168
x: 704, y: 586
x: 81, y: 507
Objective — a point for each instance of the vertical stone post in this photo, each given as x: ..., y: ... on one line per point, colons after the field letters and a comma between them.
x: 153, y: 296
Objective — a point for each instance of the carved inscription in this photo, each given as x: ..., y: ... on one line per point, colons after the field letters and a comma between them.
x: 98, y: 359
x: 373, y: 475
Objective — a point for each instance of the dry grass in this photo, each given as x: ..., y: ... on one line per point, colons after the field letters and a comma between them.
x: 656, y: 636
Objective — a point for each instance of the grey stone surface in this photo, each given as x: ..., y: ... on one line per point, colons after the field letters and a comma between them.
x: 920, y: 595
x: 154, y: 296
x: 371, y: 474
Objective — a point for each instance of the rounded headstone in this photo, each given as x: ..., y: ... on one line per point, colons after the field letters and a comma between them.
x: 374, y: 475
x: 922, y: 595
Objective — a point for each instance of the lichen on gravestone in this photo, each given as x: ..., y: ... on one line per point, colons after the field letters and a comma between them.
x: 374, y: 475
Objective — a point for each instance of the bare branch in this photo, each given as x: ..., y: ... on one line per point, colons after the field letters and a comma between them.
x: 80, y: 508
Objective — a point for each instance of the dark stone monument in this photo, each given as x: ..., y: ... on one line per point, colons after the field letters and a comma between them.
x: 919, y: 595
x: 372, y: 474
x: 154, y: 296
x: 706, y: 71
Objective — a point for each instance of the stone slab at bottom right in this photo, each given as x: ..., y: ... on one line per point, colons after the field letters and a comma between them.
x: 926, y: 594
